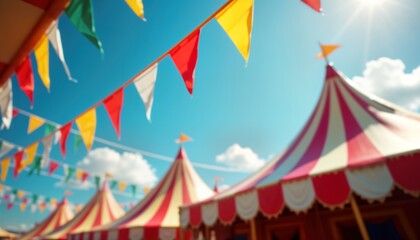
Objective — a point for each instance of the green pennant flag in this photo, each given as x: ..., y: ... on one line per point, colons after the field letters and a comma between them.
x: 80, y: 13
x: 35, y: 198
x: 114, y: 183
x: 70, y: 172
x: 133, y: 189
x: 1, y: 145
x: 47, y: 200
x: 97, y: 181
x: 36, y: 166
x: 49, y: 128
x: 77, y: 141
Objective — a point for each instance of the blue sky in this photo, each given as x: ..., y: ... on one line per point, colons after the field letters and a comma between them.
x: 260, y: 106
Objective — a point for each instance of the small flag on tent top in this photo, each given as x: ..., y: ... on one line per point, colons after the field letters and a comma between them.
x: 108, y: 175
x: 183, y: 138
x: 326, y: 50
x: 67, y: 193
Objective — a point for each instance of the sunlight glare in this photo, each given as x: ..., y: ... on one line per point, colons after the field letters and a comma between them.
x: 372, y: 3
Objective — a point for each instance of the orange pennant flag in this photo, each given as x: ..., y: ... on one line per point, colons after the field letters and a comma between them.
x: 326, y: 50
x: 183, y: 138
x: 108, y: 175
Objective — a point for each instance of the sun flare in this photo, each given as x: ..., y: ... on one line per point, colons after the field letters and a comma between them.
x: 372, y: 3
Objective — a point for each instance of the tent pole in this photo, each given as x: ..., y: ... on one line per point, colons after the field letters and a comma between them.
x: 359, y: 219
x: 181, y: 233
x: 253, y: 229
x: 207, y: 233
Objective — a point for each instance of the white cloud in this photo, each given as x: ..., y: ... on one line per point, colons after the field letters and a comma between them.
x: 387, y: 79
x: 240, y: 158
x: 20, y: 227
x: 75, y: 184
x: 223, y: 187
x: 127, y: 167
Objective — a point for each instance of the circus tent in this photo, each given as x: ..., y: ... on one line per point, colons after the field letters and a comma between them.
x: 352, y: 143
x: 157, y: 215
x: 60, y: 216
x: 100, y: 210
x: 6, y: 235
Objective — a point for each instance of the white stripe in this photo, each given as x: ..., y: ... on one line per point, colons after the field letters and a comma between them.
x: 184, y: 217
x: 299, y: 195
x: 247, y: 205
x: 209, y: 213
x: 136, y: 233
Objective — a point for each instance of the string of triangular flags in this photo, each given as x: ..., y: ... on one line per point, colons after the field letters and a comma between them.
x: 17, y: 197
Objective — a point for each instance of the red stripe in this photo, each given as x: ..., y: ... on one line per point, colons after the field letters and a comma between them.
x: 195, y: 215
x: 151, y: 233
x: 98, y: 219
x: 227, y: 210
x: 360, y: 150
x: 185, y: 191
x: 404, y: 171
x: 271, y: 200
x: 124, y: 233
x: 316, y: 147
x: 332, y: 189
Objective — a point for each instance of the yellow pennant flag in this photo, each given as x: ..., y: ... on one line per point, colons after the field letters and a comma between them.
x: 87, y: 127
x: 137, y: 7
x: 4, y: 168
x: 20, y: 194
x: 183, y: 138
x: 53, y: 202
x: 326, y: 50
x: 30, y: 155
x: 236, y: 20
x: 79, y: 174
x: 41, y: 55
x: 122, y: 186
x: 34, y: 123
x: 42, y: 207
x: 1, y: 187
x: 22, y: 207
x: 146, y: 190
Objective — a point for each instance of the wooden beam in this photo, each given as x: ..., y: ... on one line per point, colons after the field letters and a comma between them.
x: 181, y: 233
x: 53, y: 11
x: 359, y: 219
x: 253, y: 230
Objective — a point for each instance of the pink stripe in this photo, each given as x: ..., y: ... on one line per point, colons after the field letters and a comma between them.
x: 360, y: 150
x: 185, y: 193
x: 98, y: 219
x: 314, y: 150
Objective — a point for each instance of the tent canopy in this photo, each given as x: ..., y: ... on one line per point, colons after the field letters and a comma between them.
x: 6, y: 235
x: 157, y: 215
x: 352, y: 142
x: 60, y: 216
x: 100, y: 210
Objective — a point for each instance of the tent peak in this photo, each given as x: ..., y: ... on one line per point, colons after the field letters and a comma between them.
x: 181, y: 154
x: 330, y: 72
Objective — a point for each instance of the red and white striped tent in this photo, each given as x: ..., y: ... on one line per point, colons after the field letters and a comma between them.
x: 352, y: 143
x: 157, y: 215
x: 59, y: 217
x: 100, y: 210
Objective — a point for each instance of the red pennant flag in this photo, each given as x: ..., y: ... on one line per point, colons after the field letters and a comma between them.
x: 314, y: 4
x: 6, y: 197
x: 25, y: 78
x: 15, y: 112
x: 53, y: 167
x: 18, y: 163
x: 65, y: 131
x: 25, y: 201
x: 113, y: 105
x: 85, y: 175
x: 9, y: 205
x: 184, y: 56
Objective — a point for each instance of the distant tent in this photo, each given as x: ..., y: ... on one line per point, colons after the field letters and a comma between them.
x: 60, y: 216
x: 157, y: 215
x: 6, y: 235
x: 100, y: 210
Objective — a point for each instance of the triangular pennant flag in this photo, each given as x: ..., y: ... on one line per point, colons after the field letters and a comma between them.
x: 18, y: 163
x: 79, y: 174
x: 77, y: 141
x: 15, y: 112
x: 236, y: 20
x: 33, y: 208
x: 113, y: 105
x: 34, y: 123
x: 26, y: 78
x: 55, y: 38
x: 47, y: 142
x: 30, y: 155
x: 57, y: 135
x: 146, y: 190
x: 4, y: 168
x: 137, y: 7
x: 36, y: 166
x: 80, y: 13
x: 6, y: 147
x: 12, y: 196
x: 22, y: 207
x: 326, y: 50
x: 53, y: 202
x: 133, y: 189
x: 314, y: 4
x: 183, y: 138
x: 42, y: 61
x: 85, y: 176
x: 20, y: 194
x: 68, y: 172
x: 9, y: 205
x: 6, y: 197
x: 49, y: 128
x: 42, y: 207
x: 108, y: 175
x: 87, y: 126
x: 35, y: 198
x: 6, y: 104
x: 25, y: 200
x: 97, y: 181
x: 145, y: 85
x: 122, y: 186
x: 53, y: 167
x: 184, y: 55
x: 65, y: 131
x: 114, y: 183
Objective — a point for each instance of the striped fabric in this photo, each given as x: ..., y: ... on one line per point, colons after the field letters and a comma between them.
x: 157, y: 215
x: 352, y: 142
x: 60, y: 216
x: 100, y: 210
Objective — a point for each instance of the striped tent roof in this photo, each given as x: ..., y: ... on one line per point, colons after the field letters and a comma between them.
x: 60, y: 216
x: 100, y: 210
x: 157, y: 215
x: 352, y: 142
x: 6, y: 235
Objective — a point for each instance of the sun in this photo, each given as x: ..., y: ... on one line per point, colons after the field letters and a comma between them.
x: 372, y: 3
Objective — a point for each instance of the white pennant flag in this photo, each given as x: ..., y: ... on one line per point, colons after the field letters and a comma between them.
x: 47, y: 142
x: 66, y: 170
x: 12, y: 197
x: 33, y: 208
x: 5, y: 148
x: 57, y: 135
x: 6, y: 104
x: 55, y: 38
x: 145, y: 85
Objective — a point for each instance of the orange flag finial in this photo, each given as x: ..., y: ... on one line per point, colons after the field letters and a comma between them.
x: 183, y: 138
x: 326, y: 50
